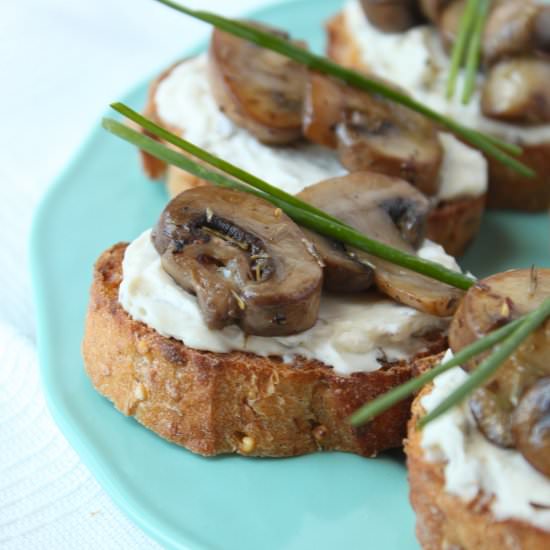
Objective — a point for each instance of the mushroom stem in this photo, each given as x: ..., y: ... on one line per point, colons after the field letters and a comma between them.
x: 392, y: 15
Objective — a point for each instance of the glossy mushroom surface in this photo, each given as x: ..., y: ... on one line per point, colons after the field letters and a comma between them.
x: 517, y: 90
x: 490, y: 304
x: 246, y: 261
x: 392, y: 15
x: 531, y: 426
x: 341, y: 271
x: 258, y: 89
x: 372, y: 133
x: 432, y: 9
x: 516, y: 27
x: 495, y: 301
x: 541, y: 31
x: 393, y: 212
x: 509, y: 30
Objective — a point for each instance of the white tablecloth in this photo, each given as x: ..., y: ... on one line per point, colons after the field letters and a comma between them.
x: 61, y: 63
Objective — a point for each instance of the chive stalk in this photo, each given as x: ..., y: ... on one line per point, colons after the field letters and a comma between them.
x: 382, y: 403
x: 298, y: 210
x: 474, y: 51
x: 460, y: 45
x: 214, y: 161
x: 488, y: 367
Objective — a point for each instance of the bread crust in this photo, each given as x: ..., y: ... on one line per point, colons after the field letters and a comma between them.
x: 340, y: 44
x: 216, y: 403
x: 444, y: 520
x: 455, y: 224
x: 153, y: 167
x: 510, y: 190
x: 507, y: 189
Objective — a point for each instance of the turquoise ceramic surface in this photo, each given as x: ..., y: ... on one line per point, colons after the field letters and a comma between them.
x: 323, y: 501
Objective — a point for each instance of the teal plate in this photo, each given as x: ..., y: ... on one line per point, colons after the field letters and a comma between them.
x: 322, y: 501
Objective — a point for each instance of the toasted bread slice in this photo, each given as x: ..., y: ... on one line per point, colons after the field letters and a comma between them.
x: 507, y: 188
x: 444, y: 520
x: 215, y: 403
x: 452, y: 224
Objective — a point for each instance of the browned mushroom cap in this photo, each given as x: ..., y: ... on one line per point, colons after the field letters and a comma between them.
x: 432, y: 9
x: 341, y: 272
x: 372, y: 133
x: 531, y: 426
x: 246, y: 261
x: 449, y: 22
x: 509, y: 30
x: 256, y: 88
x: 493, y: 418
x: 392, y: 15
x: 494, y: 405
x: 392, y: 211
x: 541, y: 31
x: 414, y: 290
x: 490, y: 304
x: 495, y: 301
x: 518, y: 90
x: 401, y: 146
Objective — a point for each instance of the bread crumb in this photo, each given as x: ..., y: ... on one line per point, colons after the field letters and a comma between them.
x: 247, y: 444
x: 140, y: 392
x: 319, y: 432
x: 142, y: 347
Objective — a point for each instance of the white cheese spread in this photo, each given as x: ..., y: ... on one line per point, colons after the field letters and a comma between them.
x: 351, y: 333
x: 416, y: 61
x: 184, y: 100
x: 473, y: 464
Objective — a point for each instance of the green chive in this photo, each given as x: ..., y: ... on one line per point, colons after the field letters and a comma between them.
x: 172, y: 157
x: 459, y: 47
x: 474, y: 51
x: 297, y: 210
x: 217, y: 162
x: 512, y: 148
x: 326, y: 66
x: 488, y: 367
x: 382, y: 403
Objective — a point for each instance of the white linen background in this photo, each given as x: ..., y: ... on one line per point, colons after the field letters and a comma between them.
x: 61, y: 63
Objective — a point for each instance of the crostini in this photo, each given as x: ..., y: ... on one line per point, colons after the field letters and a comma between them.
x: 408, y: 43
x: 221, y: 329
